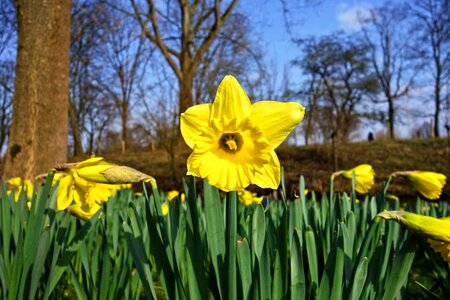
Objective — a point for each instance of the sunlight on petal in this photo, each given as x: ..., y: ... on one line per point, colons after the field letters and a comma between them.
x: 192, y: 121
x: 231, y: 101
x: 277, y: 119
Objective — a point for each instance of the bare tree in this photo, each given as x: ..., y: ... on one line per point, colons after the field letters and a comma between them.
x: 87, y: 34
x: 432, y: 26
x: 125, y: 55
x: 313, y: 93
x: 388, y: 45
x: 183, y: 31
x: 339, y: 65
x: 38, y: 138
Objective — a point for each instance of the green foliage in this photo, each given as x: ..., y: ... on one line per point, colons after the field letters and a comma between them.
x: 322, y: 247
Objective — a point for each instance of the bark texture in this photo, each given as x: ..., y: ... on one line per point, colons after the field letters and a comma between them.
x: 38, y: 138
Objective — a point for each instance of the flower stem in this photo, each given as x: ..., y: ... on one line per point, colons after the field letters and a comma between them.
x: 230, y: 250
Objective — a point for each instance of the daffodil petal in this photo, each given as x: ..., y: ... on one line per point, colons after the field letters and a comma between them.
x: 276, y: 119
x: 64, y: 198
x: 270, y: 175
x: 231, y: 101
x: 90, y: 162
x: 220, y: 172
x: 192, y: 121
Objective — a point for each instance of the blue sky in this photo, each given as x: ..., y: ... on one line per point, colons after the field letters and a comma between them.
x: 318, y: 19
x: 314, y: 20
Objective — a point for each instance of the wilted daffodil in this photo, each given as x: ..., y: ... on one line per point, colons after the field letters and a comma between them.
x: 20, y: 185
x: 364, y: 177
x: 248, y: 198
x: 429, y: 227
x: 429, y: 184
x: 233, y: 141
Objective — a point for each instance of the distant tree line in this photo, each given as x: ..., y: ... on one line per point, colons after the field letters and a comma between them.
x: 136, y: 64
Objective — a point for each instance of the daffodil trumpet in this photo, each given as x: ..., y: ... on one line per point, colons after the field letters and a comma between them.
x: 426, y: 226
x: 364, y: 177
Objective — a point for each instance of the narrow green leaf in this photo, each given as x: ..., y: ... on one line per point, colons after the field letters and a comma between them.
x: 245, y: 267
x: 400, y: 269
x: 258, y: 231
x: 359, y: 280
x: 144, y: 269
x: 298, y: 280
x: 230, y: 250
x: 215, y: 232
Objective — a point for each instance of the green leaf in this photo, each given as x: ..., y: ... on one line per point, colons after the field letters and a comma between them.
x: 359, y: 280
x: 311, y: 255
x: 298, y: 281
x: 258, y: 231
x: 400, y: 269
x: 215, y: 232
x: 230, y: 250
x: 245, y: 267
x: 144, y: 269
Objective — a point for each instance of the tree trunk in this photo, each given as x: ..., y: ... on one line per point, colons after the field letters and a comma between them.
x: 437, y: 102
x: 186, y: 85
x: 38, y: 139
x: 391, y: 118
x: 186, y: 100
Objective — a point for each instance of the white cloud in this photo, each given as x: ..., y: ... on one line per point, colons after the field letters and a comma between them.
x: 348, y: 16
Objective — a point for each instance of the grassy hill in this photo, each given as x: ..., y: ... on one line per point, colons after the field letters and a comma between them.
x: 315, y: 163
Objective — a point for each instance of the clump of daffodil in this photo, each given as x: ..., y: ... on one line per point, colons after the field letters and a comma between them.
x: 429, y: 227
x: 428, y: 184
x: 20, y: 185
x: 174, y: 194
x: 233, y: 141
x: 248, y: 198
x: 364, y: 177
x: 89, y: 183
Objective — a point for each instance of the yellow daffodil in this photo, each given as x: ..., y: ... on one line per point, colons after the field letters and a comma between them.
x: 364, y: 177
x: 233, y: 141
x: 442, y: 248
x: 82, y: 198
x: 429, y: 227
x: 174, y: 194
x: 248, y: 198
x: 91, y: 182
x: 57, y: 177
x: 165, y: 209
x: 20, y: 185
x: 429, y: 184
